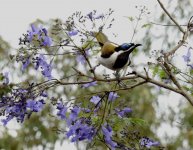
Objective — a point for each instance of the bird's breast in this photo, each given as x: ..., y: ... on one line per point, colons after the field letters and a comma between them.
x: 114, y: 62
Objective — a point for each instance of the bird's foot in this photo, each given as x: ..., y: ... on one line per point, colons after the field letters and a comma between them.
x: 119, y: 82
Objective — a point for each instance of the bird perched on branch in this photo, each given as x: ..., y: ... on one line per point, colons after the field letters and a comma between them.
x: 112, y: 55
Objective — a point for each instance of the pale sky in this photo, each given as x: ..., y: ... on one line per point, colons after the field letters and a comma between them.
x: 16, y: 15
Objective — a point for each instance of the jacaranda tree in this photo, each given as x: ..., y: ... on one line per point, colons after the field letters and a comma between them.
x: 60, y: 75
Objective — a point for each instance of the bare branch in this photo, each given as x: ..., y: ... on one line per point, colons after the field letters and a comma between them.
x: 172, y: 51
x: 175, y: 81
x: 175, y: 22
x: 158, y: 83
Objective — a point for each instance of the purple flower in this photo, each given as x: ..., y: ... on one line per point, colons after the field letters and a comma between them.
x: 34, y: 105
x: 46, y: 68
x: 16, y: 103
x: 90, y: 15
x: 42, y: 35
x: 33, y: 32
x: 80, y: 130
x: 94, y: 83
x: 101, y: 16
x: 6, y: 78
x: 47, y: 41
x: 187, y: 56
x: 124, y: 112
x: 95, y: 99
x: 73, y: 33
x: 73, y: 115
x: 62, y: 110
x: 112, y: 96
x: 25, y: 64
x: 146, y: 142
x: 107, y: 132
x: 17, y: 110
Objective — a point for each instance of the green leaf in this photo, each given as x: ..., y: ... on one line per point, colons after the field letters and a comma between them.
x: 146, y: 25
x: 155, y: 71
x: 136, y: 121
x: 130, y: 18
x: 162, y: 74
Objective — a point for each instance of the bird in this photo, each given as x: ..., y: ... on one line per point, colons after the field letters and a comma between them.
x: 112, y: 55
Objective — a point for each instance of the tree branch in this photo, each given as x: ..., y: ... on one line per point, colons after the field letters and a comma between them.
x: 175, y: 81
x: 175, y: 22
x: 172, y: 51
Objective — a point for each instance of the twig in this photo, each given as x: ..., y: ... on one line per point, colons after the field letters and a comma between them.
x: 168, y: 25
x: 172, y: 51
x: 158, y: 83
x: 175, y: 81
x: 136, y: 25
x: 175, y: 22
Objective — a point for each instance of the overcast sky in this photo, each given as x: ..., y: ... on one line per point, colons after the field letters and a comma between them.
x: 16, y: 15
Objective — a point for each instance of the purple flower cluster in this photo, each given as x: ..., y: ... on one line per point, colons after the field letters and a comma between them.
x: 41, y: 34
x: 92, y: 15
x: 81, y: 130
x: 148, y: 143
x: 108, y: 133
x: 18, y: 104
x: 35, y: 106
x: 40, y: 62
x: 78, y: 128
x: 187, y: 57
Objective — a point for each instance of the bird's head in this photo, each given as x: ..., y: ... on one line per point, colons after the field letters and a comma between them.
x: 128, y: 46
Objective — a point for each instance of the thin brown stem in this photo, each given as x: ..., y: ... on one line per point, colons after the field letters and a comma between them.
x: 169, y: 15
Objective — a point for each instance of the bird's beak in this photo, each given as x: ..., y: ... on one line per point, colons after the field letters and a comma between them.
x: 136, y: 45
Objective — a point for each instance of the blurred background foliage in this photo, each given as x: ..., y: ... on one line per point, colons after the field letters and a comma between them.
x: 44, y: 129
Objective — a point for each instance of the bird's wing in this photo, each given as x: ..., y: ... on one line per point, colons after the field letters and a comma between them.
x: 101, y: 38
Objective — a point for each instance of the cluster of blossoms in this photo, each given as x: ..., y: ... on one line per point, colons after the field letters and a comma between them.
x: 80, y: 128
x: 80, y: 125
x: 19, y: 104
x: 92, y: 16
x: 34, y: 36
x: 40, y: 35
x: 39, y: 62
